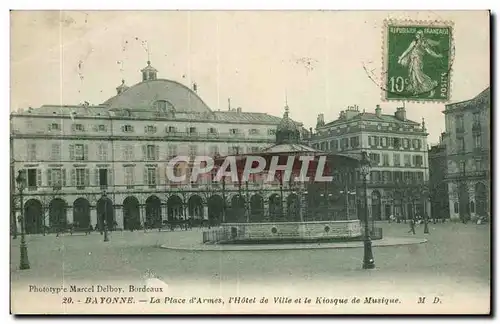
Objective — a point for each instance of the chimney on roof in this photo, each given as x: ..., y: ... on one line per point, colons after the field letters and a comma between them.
x: 351, y: 112
x: 195, y: 87
x: 238, y: 109
x: 310, y: 132
x: 228, y: 104
x: 400, y: 113
x: 378, y: 111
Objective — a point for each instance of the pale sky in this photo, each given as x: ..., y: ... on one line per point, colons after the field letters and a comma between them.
x: 253, y: 57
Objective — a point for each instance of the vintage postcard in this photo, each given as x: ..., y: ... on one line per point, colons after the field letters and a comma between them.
x: 250, y: 162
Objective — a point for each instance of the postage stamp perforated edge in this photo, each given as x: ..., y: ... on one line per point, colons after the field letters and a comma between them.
x: 422, y: 23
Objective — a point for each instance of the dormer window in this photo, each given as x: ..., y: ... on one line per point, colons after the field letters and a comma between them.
x: 54, y: 126
x: 161, y: 105
x: 212, y: 130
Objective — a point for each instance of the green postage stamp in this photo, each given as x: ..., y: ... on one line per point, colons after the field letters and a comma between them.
x: 418, y: 56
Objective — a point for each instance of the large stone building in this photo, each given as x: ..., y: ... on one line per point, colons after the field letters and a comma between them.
x: 438, y: 188
x: 74, y: 155
x: 467, y: 141
x: 398, y: 152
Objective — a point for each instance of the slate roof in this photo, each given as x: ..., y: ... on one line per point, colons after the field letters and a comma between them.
x: 365, y: 116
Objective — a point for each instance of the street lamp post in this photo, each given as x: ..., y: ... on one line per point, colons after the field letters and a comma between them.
x: 104, y: 216
x: 368, y: 261
x: 25, y: 263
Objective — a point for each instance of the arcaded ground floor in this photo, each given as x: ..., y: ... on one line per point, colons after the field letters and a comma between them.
x: 151, y: 210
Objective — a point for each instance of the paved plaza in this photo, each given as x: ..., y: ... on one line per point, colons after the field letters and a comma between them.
x: 455, y: 256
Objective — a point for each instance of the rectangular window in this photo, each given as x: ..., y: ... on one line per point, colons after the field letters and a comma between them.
x: 419, y: 160
x: 102, y: 128
x: 152, y: 176
x: 54, y: 126
x: 172, y: 151
x: 128, y: 153
x: 374, y: 159
x: 192, y: 130
x: 151, y: 152
x: 56, y: 178
x: 79, y: 152
x: 477, y: 140
x: 103, y: 177
x: 376, y: 140
x: 31, y: 152
x: 80, y: 177
x: 102, y: 152
x: 420, y: 176
x: 253, y: 131
x: 271, y: 132
x: 386, y: 159
x: 407, y: 159
x: 150, y: 129
x: 78, y: 127
x: 233, y: 131
x: 212, y: 130
x: 128, y: 128
x: 55, y: 152
x: 397, y: 159
x: 255, y: 149
x: 32, y: 178
x: 384, y: 141
x: 479, y: 165
x: 129, y: 176
x: 171, y: 129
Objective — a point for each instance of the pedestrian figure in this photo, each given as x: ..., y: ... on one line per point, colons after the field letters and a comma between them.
x: 412, y: 227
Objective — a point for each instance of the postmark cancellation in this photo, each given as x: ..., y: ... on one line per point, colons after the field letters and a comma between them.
x: 417, y: 60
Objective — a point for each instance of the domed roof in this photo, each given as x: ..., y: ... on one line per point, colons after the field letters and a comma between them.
x: 145, y: 95
x: 287, y: 131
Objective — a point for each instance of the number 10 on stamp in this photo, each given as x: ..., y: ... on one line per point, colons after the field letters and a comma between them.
x: 417, y: 60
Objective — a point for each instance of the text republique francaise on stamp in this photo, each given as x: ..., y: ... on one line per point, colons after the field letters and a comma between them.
x: 418, y: 57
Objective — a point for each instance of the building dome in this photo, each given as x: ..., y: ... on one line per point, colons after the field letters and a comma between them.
x: 287, y: 131
x: 156, y: 96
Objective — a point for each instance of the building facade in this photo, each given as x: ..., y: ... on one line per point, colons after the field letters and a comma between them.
x: 397, y: 184
x: 86, y: 163
x: 467, y: 141
x: 438, y: 188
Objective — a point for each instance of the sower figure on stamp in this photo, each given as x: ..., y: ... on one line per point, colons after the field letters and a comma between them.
x: 413, y: 58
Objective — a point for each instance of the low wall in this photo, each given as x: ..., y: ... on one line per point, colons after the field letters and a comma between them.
x: 293, y: 231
